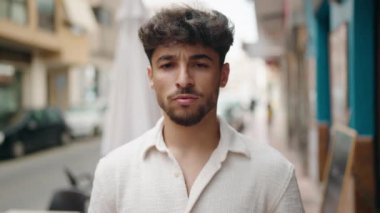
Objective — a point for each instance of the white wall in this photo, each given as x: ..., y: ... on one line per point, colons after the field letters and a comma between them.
x: 34, y: 81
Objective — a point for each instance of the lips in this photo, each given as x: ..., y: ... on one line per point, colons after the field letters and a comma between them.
x: 185, y: 99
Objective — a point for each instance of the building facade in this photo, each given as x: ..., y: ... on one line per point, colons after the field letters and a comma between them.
x: 330, y: 72
x: 342, y: 43
x: 42, y: 43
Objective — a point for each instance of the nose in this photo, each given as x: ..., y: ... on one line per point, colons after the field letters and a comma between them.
x: 184, y: 78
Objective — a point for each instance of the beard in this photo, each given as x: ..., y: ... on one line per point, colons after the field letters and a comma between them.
x: 188, y: 116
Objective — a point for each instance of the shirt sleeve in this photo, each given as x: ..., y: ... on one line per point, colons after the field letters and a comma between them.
x: 291, y: 199
x: 102, y: 198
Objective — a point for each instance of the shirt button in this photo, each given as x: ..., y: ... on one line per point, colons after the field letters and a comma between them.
x: 177, y: 174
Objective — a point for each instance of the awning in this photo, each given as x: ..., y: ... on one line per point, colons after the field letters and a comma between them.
x: 79, y: 13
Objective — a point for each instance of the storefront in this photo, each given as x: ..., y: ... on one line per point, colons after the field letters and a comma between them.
x: 10, y: 91
x: 347, y: 88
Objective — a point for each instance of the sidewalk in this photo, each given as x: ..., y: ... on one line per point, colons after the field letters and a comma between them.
x: 276, y: 136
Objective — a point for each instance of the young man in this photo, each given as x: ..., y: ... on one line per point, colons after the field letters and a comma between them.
x: 192, y: 161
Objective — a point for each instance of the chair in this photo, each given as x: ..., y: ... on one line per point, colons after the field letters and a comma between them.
x: 69, y: 200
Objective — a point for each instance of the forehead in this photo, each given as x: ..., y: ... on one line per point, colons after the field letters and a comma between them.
x: 180, y: 50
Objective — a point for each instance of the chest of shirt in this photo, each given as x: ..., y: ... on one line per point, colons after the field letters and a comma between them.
x: 159, y: 186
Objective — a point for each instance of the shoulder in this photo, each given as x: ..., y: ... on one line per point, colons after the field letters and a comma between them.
x: 270, y: 169
x: 112, y: 169
x: 274, y: 168
x: 129, y: 153
x: 261, y: 155
x: 265, y: 154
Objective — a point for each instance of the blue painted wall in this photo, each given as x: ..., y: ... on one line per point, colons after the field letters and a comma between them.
x: 359, y: 15
x: 362, y: 67
x: 321, y: 25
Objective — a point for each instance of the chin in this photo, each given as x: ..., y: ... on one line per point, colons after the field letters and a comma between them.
x: 186, y: 121
x: 186, y: 118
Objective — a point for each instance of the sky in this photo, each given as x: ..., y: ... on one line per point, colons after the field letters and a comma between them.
x: 240, y: 12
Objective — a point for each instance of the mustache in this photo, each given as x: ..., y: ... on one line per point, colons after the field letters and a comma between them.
x: 183, y: 91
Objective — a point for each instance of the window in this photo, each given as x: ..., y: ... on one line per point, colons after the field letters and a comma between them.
x: 14, y: 10
x: 3, y: 9
x: 46, y: 17
x: 80, y: 16
x: 53, y: 115
x: 10, y: 92
x: 18, y: 11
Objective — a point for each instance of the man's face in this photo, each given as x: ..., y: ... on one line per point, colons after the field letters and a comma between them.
x: 186, y: 79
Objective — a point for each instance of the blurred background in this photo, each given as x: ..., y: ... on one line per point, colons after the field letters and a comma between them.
x: 73, y: 87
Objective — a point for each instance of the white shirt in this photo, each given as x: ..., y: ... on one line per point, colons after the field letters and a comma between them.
x: 240, y: 176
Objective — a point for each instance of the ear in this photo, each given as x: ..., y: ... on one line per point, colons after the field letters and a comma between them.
x: 225, y: 72
x: 150, y: 76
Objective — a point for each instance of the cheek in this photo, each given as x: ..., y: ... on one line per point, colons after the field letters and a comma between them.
x: 212, y: 82
x: 210, y: 88
x: 160, y: 86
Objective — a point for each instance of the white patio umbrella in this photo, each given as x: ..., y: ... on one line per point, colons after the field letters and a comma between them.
x: 132, y: 108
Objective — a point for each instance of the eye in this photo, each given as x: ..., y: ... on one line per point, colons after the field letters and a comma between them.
x: 166, y: 66
x: 201, y: 65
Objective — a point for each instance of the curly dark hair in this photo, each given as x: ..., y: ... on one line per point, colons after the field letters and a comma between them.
x: 184, y: 24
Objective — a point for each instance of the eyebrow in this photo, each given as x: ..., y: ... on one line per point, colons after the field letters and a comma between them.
x: 201, y: 56
x: 165, y: 58
x: 193, y: 57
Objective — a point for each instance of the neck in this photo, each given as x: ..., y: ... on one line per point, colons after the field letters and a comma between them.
x: 204, y: 135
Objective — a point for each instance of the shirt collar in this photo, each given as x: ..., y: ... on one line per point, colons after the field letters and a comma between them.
x: 155, y: 140
x: 233, y: 140
x: 229, y: 140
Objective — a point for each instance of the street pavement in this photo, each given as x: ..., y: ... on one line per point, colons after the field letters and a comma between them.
x: 275, y: 134
x: 29, y: 182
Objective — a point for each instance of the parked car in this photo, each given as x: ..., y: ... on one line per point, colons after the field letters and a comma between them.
x: 32, y: 130
x: 85, y: 120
